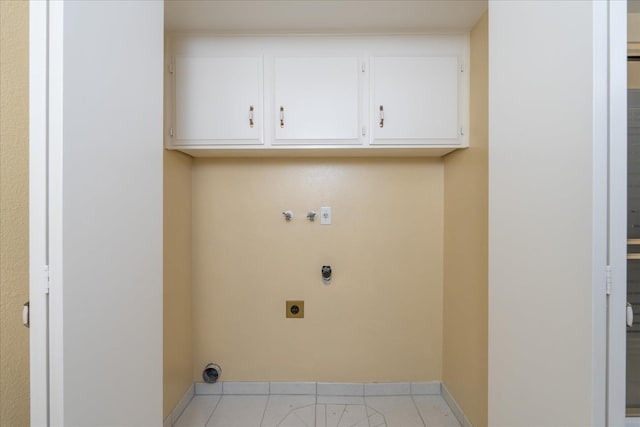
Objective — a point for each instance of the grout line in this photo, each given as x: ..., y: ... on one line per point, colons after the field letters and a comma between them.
x: 300, y: 418
x: 325, y: 414
x: 341, y: 415
x: 214, y: 410
x: 419, y: 414
x: 266, y: 406
x: 376, y: 411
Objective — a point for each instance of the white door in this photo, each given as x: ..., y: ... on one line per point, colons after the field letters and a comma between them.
x: 96, y: 212
x: 218, y: 100
x: 415, y: 100
x: 317, y: 100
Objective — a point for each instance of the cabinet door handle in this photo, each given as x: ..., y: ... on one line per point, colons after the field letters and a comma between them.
x: 281, y: 116
x: 250, y: 116
x: 381, y: 116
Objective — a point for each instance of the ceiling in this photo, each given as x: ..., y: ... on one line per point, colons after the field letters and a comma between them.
x: 322, y: 16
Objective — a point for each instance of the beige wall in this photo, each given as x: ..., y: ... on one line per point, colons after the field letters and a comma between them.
x: 14, y: 212
x: 177, y: 325
x: 633, y: 37
x: 633, y: 75
x: 466, y: 249
x: 381, y: 317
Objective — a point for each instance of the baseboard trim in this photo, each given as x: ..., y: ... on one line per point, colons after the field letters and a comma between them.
x: 180, y: 407
x: 320, y: 388
x: 455, y: 408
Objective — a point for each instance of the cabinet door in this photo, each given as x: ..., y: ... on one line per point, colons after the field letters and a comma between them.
x: 415, y: 100
x: 218, y: 100
x: 317, y: 100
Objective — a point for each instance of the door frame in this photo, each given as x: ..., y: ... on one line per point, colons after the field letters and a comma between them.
x: 38, y: 212
x: 616, y: 15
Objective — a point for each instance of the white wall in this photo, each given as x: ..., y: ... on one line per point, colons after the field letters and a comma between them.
x: 106, y: 198
x: 540, y: 208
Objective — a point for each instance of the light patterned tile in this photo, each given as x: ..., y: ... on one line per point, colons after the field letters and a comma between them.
x: 377, y: 420
x: 398, y: 411
x: 238, y: 411
x: 321, y: 415
x: 435, y: 412
x: 280, y: 406
x: 334, y: 414
x: 307, y: 415
x: 198, y: 412
x: 352, y: 415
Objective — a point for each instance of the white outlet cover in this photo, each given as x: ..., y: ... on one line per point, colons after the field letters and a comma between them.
x: 325, y: 215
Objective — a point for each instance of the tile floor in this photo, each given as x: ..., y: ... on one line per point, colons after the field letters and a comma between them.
x: 316, y: 411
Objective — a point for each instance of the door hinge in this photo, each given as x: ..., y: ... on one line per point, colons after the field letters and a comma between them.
x: 170, y: 68
x: 46, y: 279
x: 609, y: 280
x: 363, y: 67
x: 461, y: 131
x: 461, y: 67
x: 171, y: 132
x: 25, y: 315
x: 364, y: 131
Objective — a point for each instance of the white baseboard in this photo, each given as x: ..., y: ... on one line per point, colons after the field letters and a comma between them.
x: 455, y: 408
x: 320, y: 389
x: 180, y: 407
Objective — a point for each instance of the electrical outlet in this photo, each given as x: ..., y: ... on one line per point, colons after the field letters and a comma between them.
x: 294, y: 309
x: 325, y: 215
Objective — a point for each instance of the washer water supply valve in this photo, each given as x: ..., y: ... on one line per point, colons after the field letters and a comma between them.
x: 211, y: 373
x: 326, y: 274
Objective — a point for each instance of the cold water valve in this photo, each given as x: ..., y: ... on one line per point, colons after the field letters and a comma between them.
x: 326, y: 274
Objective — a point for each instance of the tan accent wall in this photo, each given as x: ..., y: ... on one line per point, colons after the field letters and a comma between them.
x: 177, y: 325
x: 381, y: 317
x: 633, y: 38
x: 14, y: 212
x: 466, y: 249
x: 633, y: 75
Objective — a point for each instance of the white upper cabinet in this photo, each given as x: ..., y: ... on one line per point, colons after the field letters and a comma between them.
x: 218, y: 100
x: 317, y: 95
x: 415, y: 100
x: 316, y: 100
